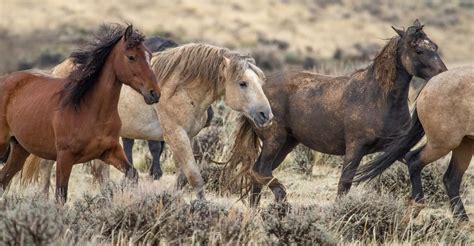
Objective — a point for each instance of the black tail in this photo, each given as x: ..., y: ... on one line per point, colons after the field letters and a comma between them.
x: 395, y: 151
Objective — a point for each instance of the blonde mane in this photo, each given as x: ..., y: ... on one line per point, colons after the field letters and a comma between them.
x: 201, y: 62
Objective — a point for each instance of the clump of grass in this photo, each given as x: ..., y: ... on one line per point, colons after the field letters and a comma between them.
x: 30, y: 221
x: 396, y: 182
x: 300, y: 226
x: 362, y: 216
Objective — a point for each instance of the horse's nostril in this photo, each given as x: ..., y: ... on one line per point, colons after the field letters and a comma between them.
x: 264, y: 115
x: 153, y: 94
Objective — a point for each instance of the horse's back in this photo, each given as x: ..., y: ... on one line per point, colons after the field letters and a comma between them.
x: 446, y: 104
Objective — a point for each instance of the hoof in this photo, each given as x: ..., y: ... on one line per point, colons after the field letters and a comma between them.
x: 132, y: 175
x: 280, y: 194
x: 156, y: 176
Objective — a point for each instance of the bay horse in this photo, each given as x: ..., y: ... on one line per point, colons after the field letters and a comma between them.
x: 351, y: 116
x: 42, y: 171
x: 75, y: 119
x: 445, y: 115
x: 191, y: 78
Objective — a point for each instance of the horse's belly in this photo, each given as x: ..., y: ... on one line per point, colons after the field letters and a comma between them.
x: 322, y: 132
x: 139, y: 120
x: 139, y: 130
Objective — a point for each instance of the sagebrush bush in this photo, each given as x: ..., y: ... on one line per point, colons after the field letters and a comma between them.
x: 302, y: 226
x: 364, y: 215
x: 396, y: 181
x: 30, y: 221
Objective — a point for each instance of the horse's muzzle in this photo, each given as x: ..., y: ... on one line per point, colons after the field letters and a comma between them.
x: 263, y: 118
x: 152, y: 97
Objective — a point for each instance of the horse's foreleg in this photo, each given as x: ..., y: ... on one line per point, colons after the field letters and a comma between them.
x: 15, y: 163
x: 354, y: 154
x: 116, y: 157
x: 459, y: 163
x: 156, y: 148
x: 274, y: 151
x: 179, y: 142
x: 64, y: 165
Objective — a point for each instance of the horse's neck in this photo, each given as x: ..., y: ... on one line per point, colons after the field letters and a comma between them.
x: 204, y: 98
x: 397, y: 96
x: 104, y: 97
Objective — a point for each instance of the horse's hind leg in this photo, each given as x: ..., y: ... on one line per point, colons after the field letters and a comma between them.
x: 156, y: 148
x: 417, y: 160
x: 460, y: 160
x: 15, y: 163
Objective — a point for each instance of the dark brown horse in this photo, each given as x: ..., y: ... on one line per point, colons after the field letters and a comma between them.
x: 75, y: 119
x: 351, y: 116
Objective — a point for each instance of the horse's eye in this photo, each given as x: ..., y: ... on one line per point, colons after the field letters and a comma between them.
x: 243, y: 84
x: 131, y: 58
x: 419, y: 52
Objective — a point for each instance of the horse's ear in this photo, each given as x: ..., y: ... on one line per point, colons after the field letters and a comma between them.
x: 417, y: 23
x: 398, y: 31
x: 128, y: 33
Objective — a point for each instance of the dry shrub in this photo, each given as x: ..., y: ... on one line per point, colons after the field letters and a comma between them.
x: 301, y: 226
x: 366, y: 216
x: 439, y: 228
x: 30, y: 221
x: 396, y: 182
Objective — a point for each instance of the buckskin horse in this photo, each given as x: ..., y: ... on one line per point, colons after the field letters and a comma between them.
x: 444, y: 114
x: 351, y: 116
x: 75, y: 119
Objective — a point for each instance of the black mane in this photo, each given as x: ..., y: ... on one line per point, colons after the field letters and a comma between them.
x: 91, y: 58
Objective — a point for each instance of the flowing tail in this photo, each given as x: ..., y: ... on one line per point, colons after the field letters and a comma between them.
x: 395, y: 151
x: 239, y: 168
x: 30, y: 171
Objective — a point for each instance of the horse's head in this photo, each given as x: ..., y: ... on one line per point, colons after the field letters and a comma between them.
x: 132, y: 66
x: 243, y: 90
x: 418, y: 54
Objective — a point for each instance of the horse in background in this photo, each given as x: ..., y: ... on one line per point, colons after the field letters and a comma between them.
x: 444, y: 114
x: 75, y: 119
x: 351, y: 116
